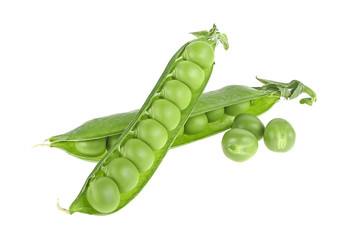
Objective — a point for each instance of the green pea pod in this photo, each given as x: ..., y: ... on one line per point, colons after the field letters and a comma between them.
x: 133, y: 158
x: 260, y: 99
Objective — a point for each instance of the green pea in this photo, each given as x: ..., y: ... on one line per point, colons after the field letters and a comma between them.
x: 124, y: 173
x: 200, y: 53
x: 235, y: 109
x: 111, y: 140
x: 215, y: 115
x: 178, y: 93
x: 239, y: 145
x: 139, y: 153
x: 152, y: 132
x: 91, y: 148
x: 196, y: 124
x: 189, y: 73
x: 250, y: 123
x: 103, y: 195
x: 279, y: 135
x: 166, y: 113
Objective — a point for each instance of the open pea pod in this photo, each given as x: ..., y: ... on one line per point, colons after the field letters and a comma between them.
x: 103, y: 131
x: 135, y: 155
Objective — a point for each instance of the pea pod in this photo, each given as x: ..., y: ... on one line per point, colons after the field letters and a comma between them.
x: 102, y: 194
x: 213, y: 103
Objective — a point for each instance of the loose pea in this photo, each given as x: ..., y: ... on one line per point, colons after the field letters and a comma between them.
x: 189, y: 73
x: 91, y: 148
x: 196, y: 124
x: 103, y: 195
x: 250, y: 123
x: 178, y: 93
x: 235, y: 109
x: 152, y: 132
x: 166, y: 113
x: 111, y: 140
x: 139, y: 153
x: 279, y: 135
x: 124, y: 173
x: 239, y: 145
x: 200, y: 53
x: 215, y: 115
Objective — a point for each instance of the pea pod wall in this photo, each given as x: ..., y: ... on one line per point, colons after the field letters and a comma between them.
x: 133, y: 158
x: 99, y: 133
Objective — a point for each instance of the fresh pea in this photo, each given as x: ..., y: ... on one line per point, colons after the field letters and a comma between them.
x: 279, y: 135
x: 178, y: 93
x: 215, y: 115
x: 235, y: 109
x: 103, y: 195
x: 239, y: 145
x: 190, y: 73
x: 159, y: 119
x: 123, y: 172
x: 200, y: 53
x: 91, y: 148
x: 166, y: 113
x: 250, y: 123
x: 261, y: 100
x: 196, y: 124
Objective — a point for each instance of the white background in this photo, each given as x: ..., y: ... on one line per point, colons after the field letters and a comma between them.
x: 65, y: 62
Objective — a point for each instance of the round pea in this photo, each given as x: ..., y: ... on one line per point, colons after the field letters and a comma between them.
x: 239, y: 145
x: 139, y: 153
x: 178, y: 93
x: 91, y: 148
x: 111, y: 140
x: 152, y: 132
x: 250, y: 123
x: 189, y: 73
x: 214, y: 115
x: 200, y: 53
x: 103, y: 195
x: 235, y: 109
x: 279, y: 135
x: 124, y: 173
x: 166, y: 113
x: 196, y: 124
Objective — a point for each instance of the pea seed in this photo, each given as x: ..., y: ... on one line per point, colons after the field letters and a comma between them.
x: 235, y: 109
x: 189, y: 73
x: 91, y: 148
x: 215, y: 115
x: 196, y: 124
x: 124, y: 173
x: 200, y: 53
x: 250, y: 123
x: 139, y: 153
x: 178, y: 93
x: 166, y: 113
x: 152, y: 132
x: 103, y: 195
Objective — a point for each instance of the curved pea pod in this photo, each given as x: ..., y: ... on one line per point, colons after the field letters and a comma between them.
x: 213, y: 103
x: 100, y: 194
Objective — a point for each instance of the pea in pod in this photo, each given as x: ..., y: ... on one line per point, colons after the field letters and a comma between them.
x: 133, y: 158
x: 100, y: 133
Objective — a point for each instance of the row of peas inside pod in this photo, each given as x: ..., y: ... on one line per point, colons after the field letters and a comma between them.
x: 240, y: 143
x: 132, y: 159
x: 171, y: 91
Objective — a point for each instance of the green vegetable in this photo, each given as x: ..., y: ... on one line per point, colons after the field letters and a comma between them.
x: 239, y: 145
x: 250, y: 123
x: 196, y: 124
x: 238, y: 108
x: 91, y: 148
x: 261, y: 99
x: 100, y: 194
x: 279, y: 135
